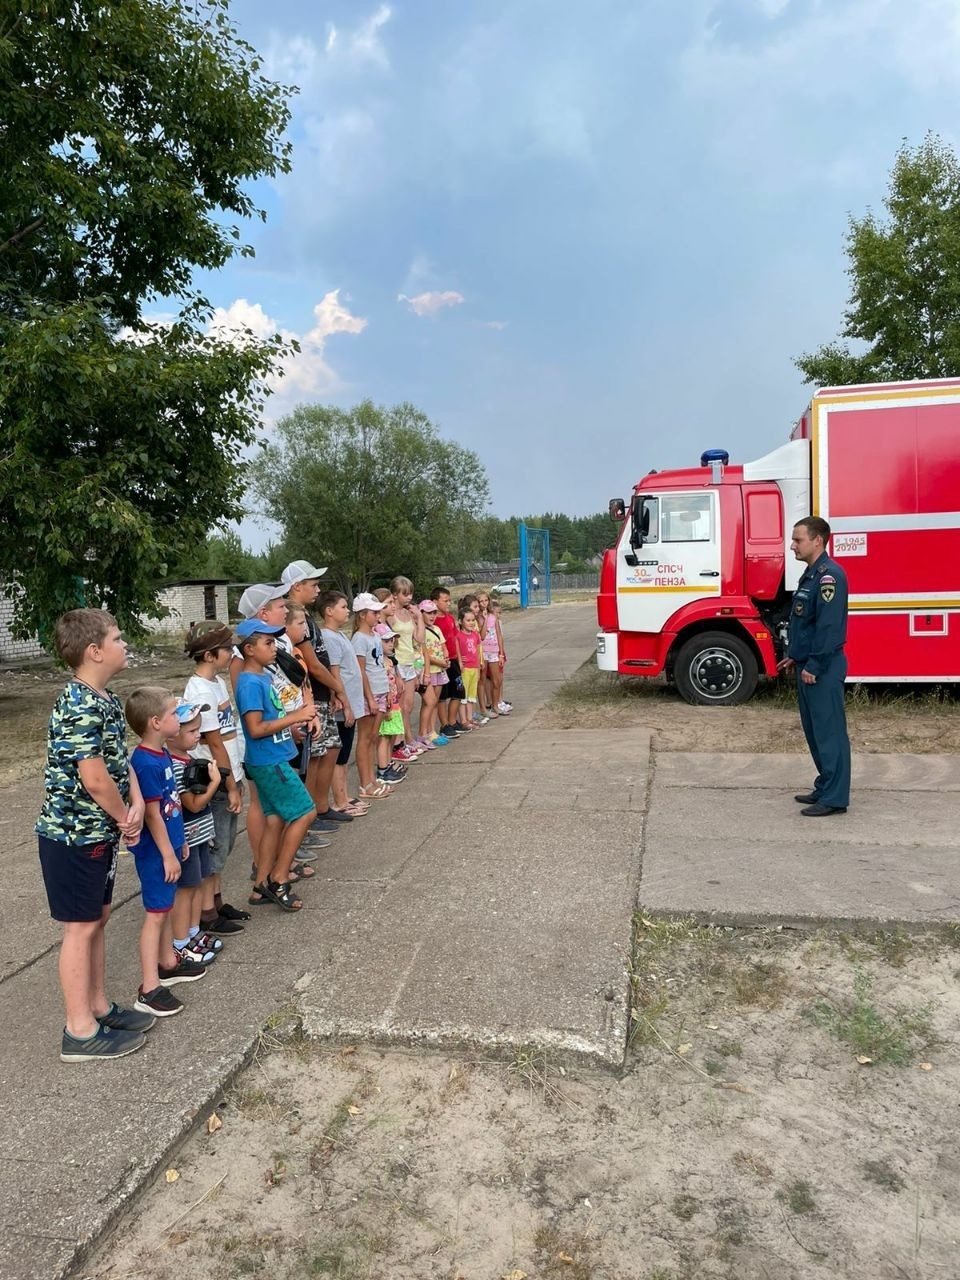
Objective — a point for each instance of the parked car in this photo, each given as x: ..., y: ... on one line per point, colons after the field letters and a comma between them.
x: 508, y: 587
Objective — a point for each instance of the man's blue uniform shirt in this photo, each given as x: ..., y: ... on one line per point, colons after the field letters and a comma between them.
x: 818, y: 619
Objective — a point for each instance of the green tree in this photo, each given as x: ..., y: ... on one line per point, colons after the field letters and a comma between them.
x: 128, y: 133
x: 905, y: 279
x: 371, y: 492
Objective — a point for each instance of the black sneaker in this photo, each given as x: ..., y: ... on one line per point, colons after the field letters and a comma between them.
x: 182, y: 971
x: 224, y: 925
x: 323, y: 824
x: 104, y: 1043
x: 159, y: 1001
x: 232, y: 913
x: 118, y: 1019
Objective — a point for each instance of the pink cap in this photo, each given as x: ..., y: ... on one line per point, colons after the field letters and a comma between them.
x: 381, y: 629
x: 427, y: 606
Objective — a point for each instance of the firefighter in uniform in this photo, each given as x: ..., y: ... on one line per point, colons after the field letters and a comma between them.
x: 818, y: 631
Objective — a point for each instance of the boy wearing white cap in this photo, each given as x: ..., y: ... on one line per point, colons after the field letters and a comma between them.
x: 302, y: 582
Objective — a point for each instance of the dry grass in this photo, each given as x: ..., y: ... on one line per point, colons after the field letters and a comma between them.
x: 881, y: 718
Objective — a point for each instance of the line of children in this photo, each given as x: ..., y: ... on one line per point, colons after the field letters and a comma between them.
x: 180, y: 819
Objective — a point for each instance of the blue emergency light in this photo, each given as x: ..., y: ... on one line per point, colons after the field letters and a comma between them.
x: 714, y: 455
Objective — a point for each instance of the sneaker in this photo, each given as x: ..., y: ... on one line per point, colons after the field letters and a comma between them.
x: 196, y: 951
x: 450, y: 731
x: 232, y: 913
x: 507, y: 706
x: 504, y: 708
x: 159, y: 1001
x: 390, y: 776
x: 119, y: 1019
x: 323, y: 824
x: 104, y: 1043
x: 404, y: 754
x: 312, y: 841
x: 183, y: 971
x: 440, y: 740
x: 223, y: 924
x: 206, y: 939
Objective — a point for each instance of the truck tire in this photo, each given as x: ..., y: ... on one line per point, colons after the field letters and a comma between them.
x: 715, y: 669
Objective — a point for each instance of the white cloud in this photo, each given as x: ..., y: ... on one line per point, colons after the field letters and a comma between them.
x: 305, y: 374
x: 428, y: 304
x: 308, y: 64
x: 495, y: 324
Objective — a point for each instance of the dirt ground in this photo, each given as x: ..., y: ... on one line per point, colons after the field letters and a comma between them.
x: 880, y: 719
x: 788, y: 1111
x: 28, y: 693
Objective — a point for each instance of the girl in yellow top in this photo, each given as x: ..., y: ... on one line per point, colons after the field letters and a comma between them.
x: 407, y: 622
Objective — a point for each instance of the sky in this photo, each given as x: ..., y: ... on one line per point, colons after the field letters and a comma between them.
x: 585, y: 240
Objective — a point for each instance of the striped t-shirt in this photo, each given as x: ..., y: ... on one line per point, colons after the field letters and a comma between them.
x: 198, y: 827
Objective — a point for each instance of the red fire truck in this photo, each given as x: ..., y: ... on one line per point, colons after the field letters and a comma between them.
x: 699, y: 583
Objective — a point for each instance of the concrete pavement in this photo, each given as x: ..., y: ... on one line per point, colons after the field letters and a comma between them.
x: 489, y: 904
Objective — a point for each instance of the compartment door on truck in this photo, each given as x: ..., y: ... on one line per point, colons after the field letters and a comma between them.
x: 678, y: 560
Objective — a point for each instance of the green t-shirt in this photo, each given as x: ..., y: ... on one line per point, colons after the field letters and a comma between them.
x: 84, y: 725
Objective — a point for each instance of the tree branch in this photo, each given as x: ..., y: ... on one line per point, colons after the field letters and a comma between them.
x: 24, y: 231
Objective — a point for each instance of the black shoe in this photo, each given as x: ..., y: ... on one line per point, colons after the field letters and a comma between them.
x: 810, y: 797
x: 222, y: 924
x: 822, y: 810
x: 232, y: 913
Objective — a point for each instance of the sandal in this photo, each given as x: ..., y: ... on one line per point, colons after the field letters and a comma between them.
x: 282, y: 894
x: 258, y: 896
x: 357, y: 811
x: 379, y: 791
x: 300, y: 871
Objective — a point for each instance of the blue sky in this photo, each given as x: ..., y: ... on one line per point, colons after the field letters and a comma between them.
x: 585, y: 239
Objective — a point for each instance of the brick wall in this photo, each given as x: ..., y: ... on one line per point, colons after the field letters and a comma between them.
x: 186, y: 605
x: 14, y: 650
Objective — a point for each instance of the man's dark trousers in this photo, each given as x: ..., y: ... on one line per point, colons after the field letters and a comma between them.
x: 824, y: 721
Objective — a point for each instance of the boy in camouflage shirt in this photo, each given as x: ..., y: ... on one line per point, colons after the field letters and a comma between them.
x: 91, y: 799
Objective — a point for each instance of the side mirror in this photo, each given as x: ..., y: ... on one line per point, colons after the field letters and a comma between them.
x: 617, y: 508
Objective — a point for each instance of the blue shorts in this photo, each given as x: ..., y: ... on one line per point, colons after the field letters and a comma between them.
x: 78, y: 878
x: 157, y: 894
x: 280, y: 791
x: 191, y: 871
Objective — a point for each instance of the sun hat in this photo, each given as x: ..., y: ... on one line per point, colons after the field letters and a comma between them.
x: 300, y: 571
x: 258, y: 596
x: 366, y: 600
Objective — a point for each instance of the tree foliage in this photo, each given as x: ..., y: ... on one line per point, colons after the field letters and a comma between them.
x: 370, y: 492
x: 905, y: 279
x: 128, y: 132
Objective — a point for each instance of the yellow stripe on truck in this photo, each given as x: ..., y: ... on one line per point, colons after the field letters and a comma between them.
x: 650, y: 591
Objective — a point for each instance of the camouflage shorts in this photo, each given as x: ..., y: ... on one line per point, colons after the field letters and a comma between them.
x: 328, y: 737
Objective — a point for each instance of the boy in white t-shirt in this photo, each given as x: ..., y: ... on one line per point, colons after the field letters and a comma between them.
x: 210, y: 644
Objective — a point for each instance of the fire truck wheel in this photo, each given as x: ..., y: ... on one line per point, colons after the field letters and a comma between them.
x: 715, y: 670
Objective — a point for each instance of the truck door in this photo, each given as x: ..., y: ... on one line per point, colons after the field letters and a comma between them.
x: 675, y: 539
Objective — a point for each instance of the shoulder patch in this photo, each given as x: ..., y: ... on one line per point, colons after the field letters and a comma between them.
x: 827, y: 577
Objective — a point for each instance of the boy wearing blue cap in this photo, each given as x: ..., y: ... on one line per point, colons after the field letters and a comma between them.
x: 154, y: 716
x: 287, y: 807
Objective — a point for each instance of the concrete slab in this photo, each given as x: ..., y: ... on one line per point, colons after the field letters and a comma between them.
x: 783, y: 772
x: 770, y: 817
x: 740, y: 882
x: 523, y: 938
